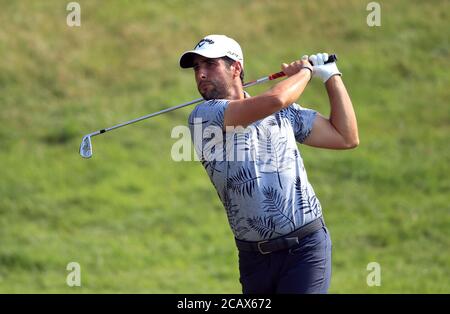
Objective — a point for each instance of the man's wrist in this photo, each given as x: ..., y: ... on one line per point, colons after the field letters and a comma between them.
x: 332, y: 80
x: 333, y: 75
x: 310, y: 70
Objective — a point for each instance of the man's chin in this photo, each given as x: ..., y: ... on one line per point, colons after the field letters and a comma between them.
x: 208, y: 96
x: 211, y: 94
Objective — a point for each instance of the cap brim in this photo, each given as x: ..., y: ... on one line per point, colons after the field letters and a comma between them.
x: 187, y: 59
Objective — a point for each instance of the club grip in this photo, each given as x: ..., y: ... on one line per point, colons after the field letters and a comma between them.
x: 332, y: 58
x: 276, y: 75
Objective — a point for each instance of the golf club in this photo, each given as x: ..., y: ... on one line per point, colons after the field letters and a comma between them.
x: 86, y: 143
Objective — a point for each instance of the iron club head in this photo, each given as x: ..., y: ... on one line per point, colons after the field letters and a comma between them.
x: 86, y: 147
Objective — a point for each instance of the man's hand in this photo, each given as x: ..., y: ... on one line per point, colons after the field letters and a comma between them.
x: 322, y: 70
x: 296, y: 66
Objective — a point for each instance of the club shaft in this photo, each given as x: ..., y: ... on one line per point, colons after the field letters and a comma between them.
x: 147, y: 116
x: 252, y: 83
x: 274, y: 76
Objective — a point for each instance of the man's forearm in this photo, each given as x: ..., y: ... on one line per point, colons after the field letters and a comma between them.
x: 248, y: 110
x: 342, y: 115
x: 290, y: 89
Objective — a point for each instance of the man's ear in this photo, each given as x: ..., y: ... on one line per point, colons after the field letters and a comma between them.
x: 237, y: 69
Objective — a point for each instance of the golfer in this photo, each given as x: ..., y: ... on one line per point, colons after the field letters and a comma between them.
x: 248, y: 146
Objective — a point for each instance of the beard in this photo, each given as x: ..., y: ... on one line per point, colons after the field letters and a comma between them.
x: 214, y: 90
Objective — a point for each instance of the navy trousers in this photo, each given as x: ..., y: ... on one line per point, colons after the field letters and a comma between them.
x: 305, y: 268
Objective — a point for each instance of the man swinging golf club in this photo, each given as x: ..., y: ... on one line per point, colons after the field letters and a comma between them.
x: 276, y: 218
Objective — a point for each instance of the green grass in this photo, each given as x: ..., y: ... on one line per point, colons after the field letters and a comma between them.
x: 137, y: 221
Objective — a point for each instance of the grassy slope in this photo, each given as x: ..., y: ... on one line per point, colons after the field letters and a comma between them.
x: 138, y: 222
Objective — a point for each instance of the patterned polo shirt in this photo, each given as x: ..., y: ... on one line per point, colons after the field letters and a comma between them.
x: 258, y: 172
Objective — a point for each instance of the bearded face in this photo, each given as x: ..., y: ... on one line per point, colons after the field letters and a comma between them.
x: 214, y: 89
x: 213, y: 77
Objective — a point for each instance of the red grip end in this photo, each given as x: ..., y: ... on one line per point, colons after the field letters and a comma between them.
x: 276, y: 75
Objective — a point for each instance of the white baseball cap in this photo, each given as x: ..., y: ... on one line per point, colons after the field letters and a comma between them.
x: 213, y: 46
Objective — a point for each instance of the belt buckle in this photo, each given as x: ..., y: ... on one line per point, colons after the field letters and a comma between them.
x: 259, y: 247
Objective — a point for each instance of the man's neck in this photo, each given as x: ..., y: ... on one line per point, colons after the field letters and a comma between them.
x: 236, y: 93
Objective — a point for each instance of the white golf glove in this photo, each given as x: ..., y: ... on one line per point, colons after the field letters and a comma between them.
x: 322, y: 70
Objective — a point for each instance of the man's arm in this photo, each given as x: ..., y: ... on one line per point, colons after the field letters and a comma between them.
x: 246, y: 111
x: 340, y: 131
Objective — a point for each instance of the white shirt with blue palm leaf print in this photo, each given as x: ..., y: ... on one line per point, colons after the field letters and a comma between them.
x: 258, y: 172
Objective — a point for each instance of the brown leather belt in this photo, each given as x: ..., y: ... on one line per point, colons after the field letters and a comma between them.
x: 283, y: 242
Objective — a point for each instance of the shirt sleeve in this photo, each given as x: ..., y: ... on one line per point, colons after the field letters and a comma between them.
x: 209, y: 113
x: 204, y: 120
x: 302, y: 120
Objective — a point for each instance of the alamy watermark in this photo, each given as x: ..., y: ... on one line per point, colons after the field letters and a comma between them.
x: 74, y: 17
x: 374, y: 276
x: 73, y: 279
x: 374, y: 17
x: 212, y: 143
